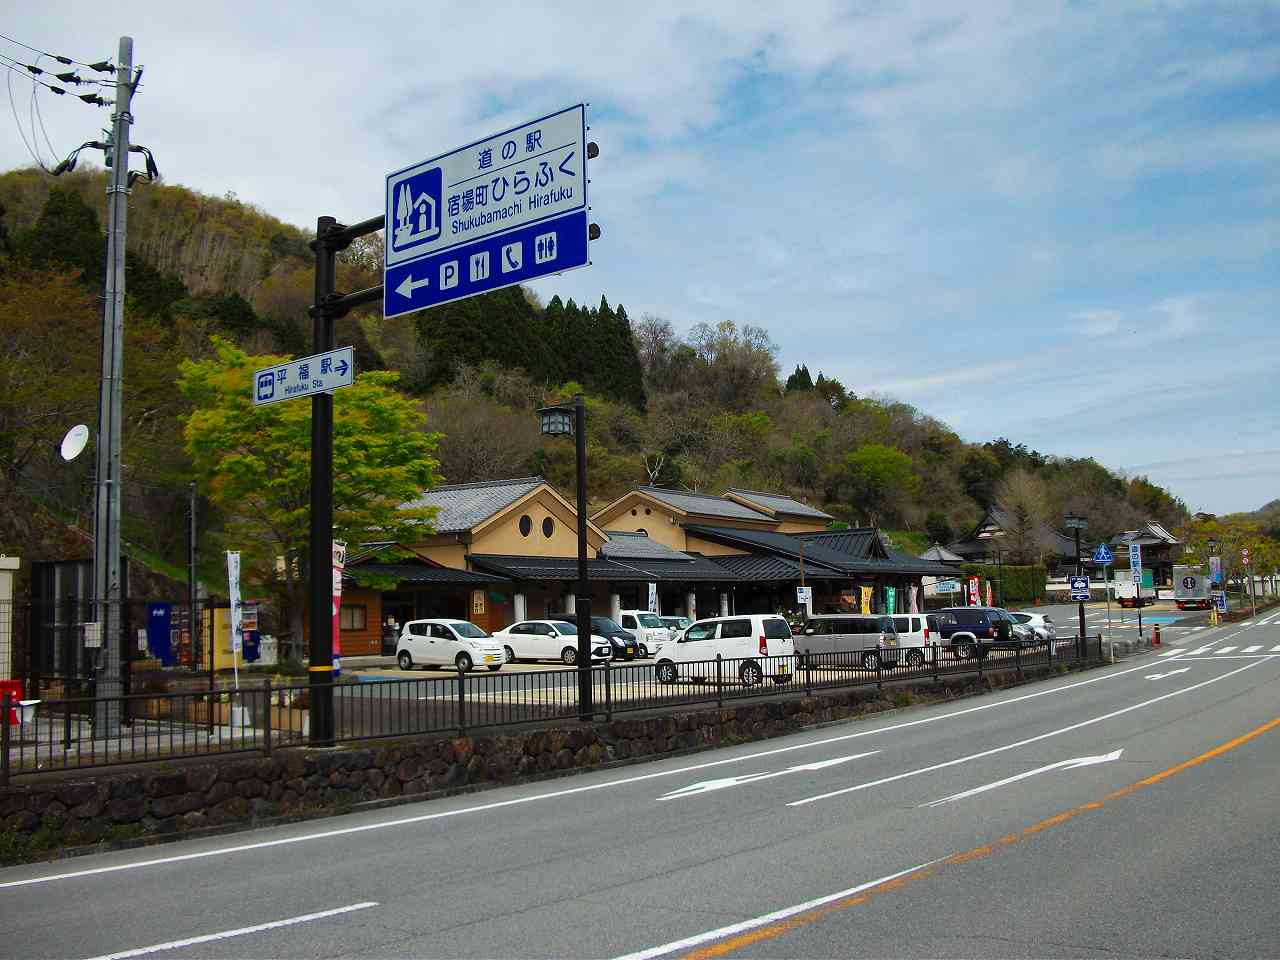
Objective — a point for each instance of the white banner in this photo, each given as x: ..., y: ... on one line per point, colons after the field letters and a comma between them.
x: 233, y: 592
x: 653, y: 598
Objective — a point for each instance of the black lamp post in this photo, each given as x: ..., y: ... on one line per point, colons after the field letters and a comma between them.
x: 1077, y: 523
x: 570, y: 421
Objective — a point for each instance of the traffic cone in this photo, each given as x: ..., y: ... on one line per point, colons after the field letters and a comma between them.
x: 1155, y: 635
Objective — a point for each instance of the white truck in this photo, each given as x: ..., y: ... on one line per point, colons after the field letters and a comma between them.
x: 1190, y: 588
x: 1128, y: 593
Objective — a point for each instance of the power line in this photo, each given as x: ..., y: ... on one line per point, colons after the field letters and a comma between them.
x: 102, y: 66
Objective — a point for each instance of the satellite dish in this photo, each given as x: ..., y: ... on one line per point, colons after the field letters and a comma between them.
x: 74, y: 442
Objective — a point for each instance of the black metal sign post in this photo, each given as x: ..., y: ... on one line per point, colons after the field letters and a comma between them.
x: 331, y: 237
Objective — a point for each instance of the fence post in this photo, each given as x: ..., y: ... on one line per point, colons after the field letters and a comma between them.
x: 266, y: 718
x: 608, y: 694
x: 1052, y: 642
x: 977, y: 652
x: 879, y: 665
x: 719, y: 683
x: 808, y: 676
x: 937, y: 660
x: 4, y: 741
x: 462, y: 703
x: 1017, y: 659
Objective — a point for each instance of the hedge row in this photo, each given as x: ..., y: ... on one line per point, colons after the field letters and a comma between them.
x: 1021, y: 583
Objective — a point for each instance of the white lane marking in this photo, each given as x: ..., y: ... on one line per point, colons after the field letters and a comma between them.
x: 1224, y: 649
x: 555, y: 794
x: 1172, y: 653
x: 1276, y: 648
x: 1199, y: 650
x: 766, y: 919
x: 1023, y: 743
x: 242, y: 931
x: 1193, y: 629
x: 1253, y: 649
x: 1072, y: 764
x: 1161, y: 676
x: 709, y: 786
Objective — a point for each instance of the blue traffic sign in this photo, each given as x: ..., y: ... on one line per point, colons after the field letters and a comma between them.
x: 1079, y: 588
x: 504, y: 210
x: 294, y: 379
x: 1103, y: 555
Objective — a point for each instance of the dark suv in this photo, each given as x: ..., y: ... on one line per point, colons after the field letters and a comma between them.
x: 972, y: 631
x: 623, y: 642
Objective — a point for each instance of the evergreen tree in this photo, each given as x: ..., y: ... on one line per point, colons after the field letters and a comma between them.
x: 67, y: 233
x: 800, y: 380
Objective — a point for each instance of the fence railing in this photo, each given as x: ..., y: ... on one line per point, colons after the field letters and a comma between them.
x: 80, y: 732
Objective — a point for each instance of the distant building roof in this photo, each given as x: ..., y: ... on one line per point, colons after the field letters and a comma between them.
x: 625, y: 544
x: 704, y: 504
x: 762, y: 567
x: 692, y: 567
x: 463, y: 506
x: 942, y: 554
x: 1150, y: 533
x: 858, y: 543
x: 779, y: 505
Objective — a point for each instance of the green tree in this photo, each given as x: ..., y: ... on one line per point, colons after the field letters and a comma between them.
x: 799, y: 380
x: 253, y: 464
x: 875, y: 478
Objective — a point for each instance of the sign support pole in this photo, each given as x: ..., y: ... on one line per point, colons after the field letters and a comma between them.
x: 1080, y: 647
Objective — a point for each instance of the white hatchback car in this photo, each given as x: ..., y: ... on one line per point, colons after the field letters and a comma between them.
x: 651, y: 633
x: 1040, y: 624
x: 755, y: 645
x: 449, y: 643
x: 548, y: 640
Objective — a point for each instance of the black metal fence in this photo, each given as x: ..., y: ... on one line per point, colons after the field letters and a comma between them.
x: 73, y: 732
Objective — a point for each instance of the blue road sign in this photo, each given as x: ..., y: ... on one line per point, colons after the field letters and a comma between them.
x: 1079, y: 588
x: 1103, y: 555
x: 320, y: 373
x: 504, y: 210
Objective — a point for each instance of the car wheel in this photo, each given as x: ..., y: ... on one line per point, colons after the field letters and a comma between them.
x: 511, y: 654
x: 404, y: 661
x: 871, y: 661
x: 463, y: 662
x: 915, y: 659
x: 644, y: 652
x: 666, y: 672
x: 569, y: 655
x: 494, y: 667
x: 962, y: 650
x: 750, y: 674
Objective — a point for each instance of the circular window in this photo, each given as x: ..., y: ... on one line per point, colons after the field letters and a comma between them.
x: 526, y: 525
x: 548, y: 526
x: 646, y: 511
x: 633, y: 512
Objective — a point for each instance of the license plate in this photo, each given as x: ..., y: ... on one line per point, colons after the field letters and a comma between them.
x: 490, y: 659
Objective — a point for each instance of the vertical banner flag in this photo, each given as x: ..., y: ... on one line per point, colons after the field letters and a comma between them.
x: 1135, y: 564
x: 1215, y: 571
x: 339, y: 561
x: 233, y: 593
x: 891, y: 599
x: 653, y: 598
x: 914, y: 593
x: 866, y: 599
x: 974, y: 598
x: 989, y: 593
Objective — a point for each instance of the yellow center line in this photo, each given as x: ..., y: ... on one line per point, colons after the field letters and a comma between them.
x: 977, y: 853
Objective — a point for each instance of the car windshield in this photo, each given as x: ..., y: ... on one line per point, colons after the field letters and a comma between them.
x: 568, y: 629
x: 468, y: 630
x: 649, y: 620
x: 604, y: 625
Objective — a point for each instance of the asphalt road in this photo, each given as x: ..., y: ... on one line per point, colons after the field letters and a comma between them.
x: 1125, y: 811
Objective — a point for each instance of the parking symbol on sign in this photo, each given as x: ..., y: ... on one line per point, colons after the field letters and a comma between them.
x: 449, y: 275
x: 480, y: 265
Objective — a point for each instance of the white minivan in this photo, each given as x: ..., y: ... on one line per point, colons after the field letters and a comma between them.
x: 754, y: 646
x: 650, y: 632
x: 451, y: 643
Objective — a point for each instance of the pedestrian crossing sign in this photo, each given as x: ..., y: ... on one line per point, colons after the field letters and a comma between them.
x: 1103, y: 555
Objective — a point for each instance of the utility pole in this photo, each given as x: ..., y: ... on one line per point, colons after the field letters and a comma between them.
x: 107, y: 589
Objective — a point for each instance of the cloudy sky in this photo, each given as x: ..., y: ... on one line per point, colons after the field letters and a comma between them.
x: 1053, y: 221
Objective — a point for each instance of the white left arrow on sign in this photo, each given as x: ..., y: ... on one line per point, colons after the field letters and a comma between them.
x: 707, y: 786
x: 408, y: 285
x: 1071, y: 764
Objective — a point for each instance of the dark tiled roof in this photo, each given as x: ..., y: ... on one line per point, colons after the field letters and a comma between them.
x: 420, y: 573
x: 693, y: 567
x: 464, y: 505
x: 779, y: 544
x: 859, y: 543
x: 821, y: 560
x: 1149, y: 534
x: 763, y: 567
x: 942, y: 554
x: 781, y: 505
x: 704, y: 504
x: 625, y: 545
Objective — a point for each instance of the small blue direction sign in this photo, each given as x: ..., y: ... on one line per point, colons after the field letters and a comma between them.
x: 302, y: 378
x: 1103, y: 555
x: 503, y: 210
x: 1079, y: 588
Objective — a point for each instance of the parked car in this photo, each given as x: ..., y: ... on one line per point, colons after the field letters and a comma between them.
x: 454, y: 643
x: 623, y: 642
x: 972, y: 631
x: 677, y: 625
x: 548, y: 640
x: 1041, y: 625
x: 648, y: 629
x: 872, y: 639
x: 917, y: 637
x: 756, y: 645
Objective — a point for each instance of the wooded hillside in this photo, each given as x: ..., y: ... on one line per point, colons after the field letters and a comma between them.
x: 705, y: 409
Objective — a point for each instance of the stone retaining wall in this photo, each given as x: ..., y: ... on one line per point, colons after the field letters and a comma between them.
x: 52, y: 813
